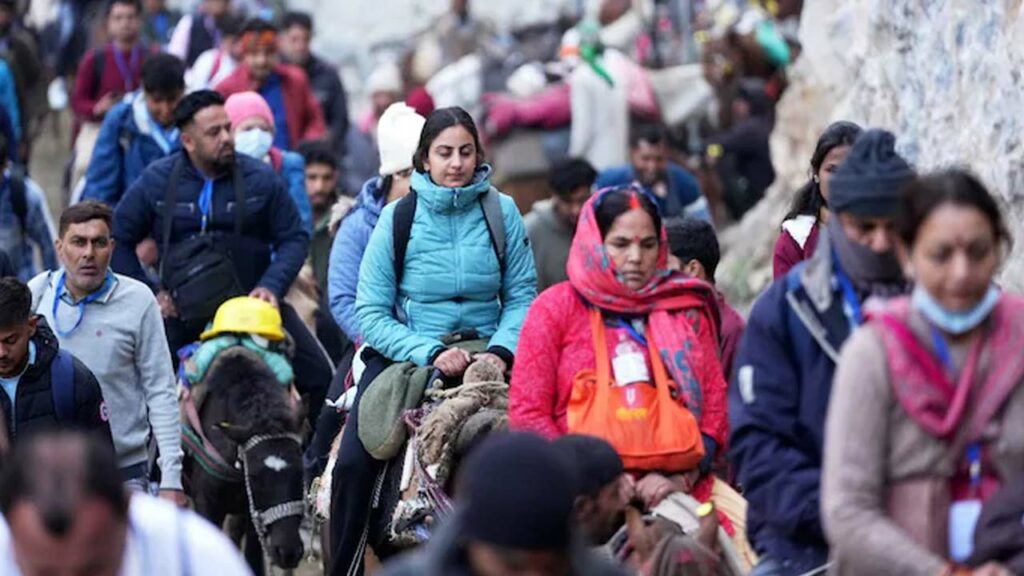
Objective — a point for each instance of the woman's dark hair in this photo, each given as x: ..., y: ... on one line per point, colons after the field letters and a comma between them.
x: 809, y: 200
x: 615, y: 203
x: 957, y: 187
x: 439, y: 121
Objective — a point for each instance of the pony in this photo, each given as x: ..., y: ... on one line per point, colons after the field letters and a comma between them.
x: 246, y: 459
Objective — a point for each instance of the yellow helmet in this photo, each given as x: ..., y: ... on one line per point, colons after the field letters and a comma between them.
x: 245, y: 315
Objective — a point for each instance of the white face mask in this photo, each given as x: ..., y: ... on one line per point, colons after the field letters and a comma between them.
x: 254, y: 142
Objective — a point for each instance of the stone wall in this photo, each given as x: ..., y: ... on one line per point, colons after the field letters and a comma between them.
x: 947, y: 76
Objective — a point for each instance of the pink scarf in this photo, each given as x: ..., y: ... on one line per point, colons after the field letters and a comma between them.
x: 993, y: 371
x: 678, y: 308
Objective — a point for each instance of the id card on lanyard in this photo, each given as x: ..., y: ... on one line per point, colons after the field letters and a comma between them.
x: 629, y: 363
x: 963, y: 514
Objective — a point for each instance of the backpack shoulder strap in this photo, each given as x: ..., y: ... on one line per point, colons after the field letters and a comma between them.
x: 62, y: 386
x: 19, y: 197
x: 401, y: 229
x: 168, y: 214
x: 99, y: 62
x: 491, y: 204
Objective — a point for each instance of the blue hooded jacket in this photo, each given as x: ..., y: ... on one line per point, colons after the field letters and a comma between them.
x: 452, y: 279
x: 347, y: 254
x: 777, y: 405
x: 124, y: 148
x: 293, y: 172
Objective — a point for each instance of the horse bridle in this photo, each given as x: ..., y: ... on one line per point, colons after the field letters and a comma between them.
x: 262, y: 519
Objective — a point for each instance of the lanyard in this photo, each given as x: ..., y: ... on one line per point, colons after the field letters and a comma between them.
x: 206, y: 203
x: 633, y: 333
x: 850, y: 296
x: 81, y: 303
x: 164, y: 138
x: 127, y: 69
x: 974, y: 448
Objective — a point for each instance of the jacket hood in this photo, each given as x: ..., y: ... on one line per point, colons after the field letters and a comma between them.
x: 140, y: 114
x: 544, y: 212
x: 816, y: 275
x: 371, y: 197
x: 443, y: 199
x: 46, y: 349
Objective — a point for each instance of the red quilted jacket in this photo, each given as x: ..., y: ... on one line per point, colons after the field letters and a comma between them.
x: 556, y: 343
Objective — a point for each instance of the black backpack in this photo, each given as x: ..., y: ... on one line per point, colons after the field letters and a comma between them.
x: 405, y: 210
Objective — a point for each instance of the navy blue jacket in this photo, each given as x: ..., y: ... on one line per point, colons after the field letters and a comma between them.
x: 777, y: 405
x: 274, y: 243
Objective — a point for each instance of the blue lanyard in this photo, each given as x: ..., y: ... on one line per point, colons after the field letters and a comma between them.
x: 974, y: 448
x: 633, y: 333
x: 206, y: 203
x: 107, y: 282
x: 850, y: 296
x: 164, y: 138
x: 127, y: 68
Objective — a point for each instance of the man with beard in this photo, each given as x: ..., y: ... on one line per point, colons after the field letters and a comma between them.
x: 678, y: 193
x: 258, y: 251
x: 551, y: 223
x: 297, y: 114
x: 601, y: 488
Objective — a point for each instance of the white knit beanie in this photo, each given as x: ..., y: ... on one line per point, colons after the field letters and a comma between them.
x: 398, y: 134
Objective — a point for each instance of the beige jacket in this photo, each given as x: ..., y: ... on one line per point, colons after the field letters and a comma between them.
x: 873, y: 450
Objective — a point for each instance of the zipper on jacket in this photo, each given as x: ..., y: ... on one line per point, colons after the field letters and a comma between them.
x: 458, y: 264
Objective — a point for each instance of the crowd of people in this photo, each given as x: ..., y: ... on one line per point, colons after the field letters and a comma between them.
x: 860, y: 420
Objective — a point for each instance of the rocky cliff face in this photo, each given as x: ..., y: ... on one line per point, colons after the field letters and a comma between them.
x: 947, y: 76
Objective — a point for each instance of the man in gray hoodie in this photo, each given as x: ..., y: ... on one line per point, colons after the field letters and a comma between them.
x: 112, y: 323
x: 551, y: 224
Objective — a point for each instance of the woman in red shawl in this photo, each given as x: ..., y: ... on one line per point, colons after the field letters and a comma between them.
x: 618, y: 264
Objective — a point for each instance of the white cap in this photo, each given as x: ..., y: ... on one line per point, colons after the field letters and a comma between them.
x: 385, y: 78
x: 398, y: 134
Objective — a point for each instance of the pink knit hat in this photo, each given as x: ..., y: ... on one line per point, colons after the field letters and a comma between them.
x: 245, y: 105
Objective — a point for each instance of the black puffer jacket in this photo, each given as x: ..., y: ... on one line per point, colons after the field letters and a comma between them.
x: 35, y: 405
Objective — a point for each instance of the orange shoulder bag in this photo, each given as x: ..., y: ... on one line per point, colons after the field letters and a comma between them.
x: 648, y: 428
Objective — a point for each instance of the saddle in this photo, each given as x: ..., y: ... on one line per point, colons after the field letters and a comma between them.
x: 411, y: 495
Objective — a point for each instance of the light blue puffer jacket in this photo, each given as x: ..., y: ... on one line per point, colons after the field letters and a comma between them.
x: 452, y: 279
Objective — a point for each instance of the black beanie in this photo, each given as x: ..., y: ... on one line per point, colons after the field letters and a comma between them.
x: 517, y: 493
x: 869, y: 182
x: 595, y: 462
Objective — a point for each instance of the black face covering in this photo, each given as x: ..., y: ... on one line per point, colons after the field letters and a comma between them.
x: 872, y: 274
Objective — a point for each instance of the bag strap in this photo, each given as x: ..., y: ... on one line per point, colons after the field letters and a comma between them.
x: 19, y: 197
x: 490, y: 202
x: 603, y: 361
x: 62, y: 386
x: 168, y: 215
x: 239, y: 184
x: 401, y: 230
x: 99, y: 62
